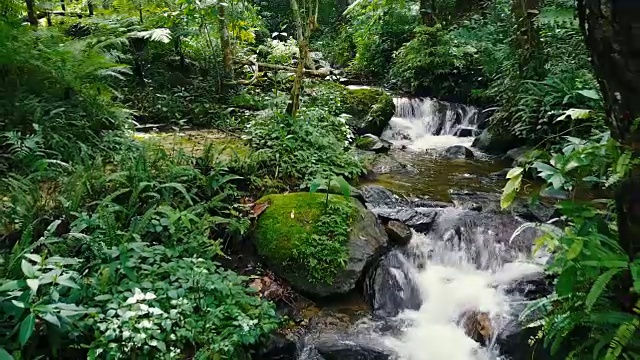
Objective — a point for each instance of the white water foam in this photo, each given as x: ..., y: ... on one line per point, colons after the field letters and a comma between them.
x: 451, y: 286
x: 422, y: 123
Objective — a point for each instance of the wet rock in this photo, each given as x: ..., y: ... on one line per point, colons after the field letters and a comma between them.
x: 278, y: 347
x: 484, y: 237
x: 517, y: 155
x: 348, y: 348
x: 514, y: 345
x: 376, y: 196
x: 385, y: 164
x: 371, y: 109
x: 531, y: 287
x: 389, y: 288
x: 494, y: 144
x: 490, y: 202
x: 477, y: 325
x: 502, y: 174
x: 466, y: 132
x: 289, y: 215
x: 399, y: 233
x: 419, y: 219
x: 373, y: 143
x: 458, y: 152
x: 427, y: 203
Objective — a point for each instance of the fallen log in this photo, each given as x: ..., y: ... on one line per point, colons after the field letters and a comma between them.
x: 318, y: 73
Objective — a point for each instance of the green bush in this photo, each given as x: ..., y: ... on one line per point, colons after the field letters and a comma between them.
x: 298, y: 150
x: 147, y: 222
x: 306, y: 232
x: 434, y: 63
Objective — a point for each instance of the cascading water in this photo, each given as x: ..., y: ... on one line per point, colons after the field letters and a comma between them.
x: 422, y: 123
x: 459, y: 271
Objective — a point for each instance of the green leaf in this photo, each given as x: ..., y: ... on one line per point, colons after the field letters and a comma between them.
x: 591, y: 94
x: 10, y: 286
x: 598, y: 286
x: 4, y: 355
x: 566, y: 281
x: 635, y: 274
x: 575, y: 249
x: 514, y: 172
x: 26, y: 328
x: 315, y: 185
x: 51, y: 318
x: 27, y: 269
x: 345, y: 188
x: 33, y: 284
x: 510, y: 190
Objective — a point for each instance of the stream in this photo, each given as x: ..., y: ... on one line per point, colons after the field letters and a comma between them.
x: 456, y: 290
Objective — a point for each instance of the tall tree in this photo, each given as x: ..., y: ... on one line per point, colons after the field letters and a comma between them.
x: 427, y: 12
x: 225, y: 42
x: 90, y: 6
x: 612, y: 32
x: 63, y: 6
x: 31, y: 13
x: 308, y: 11
x: 527, y: 38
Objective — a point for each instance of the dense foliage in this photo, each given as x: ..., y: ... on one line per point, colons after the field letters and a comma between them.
x: 112, y: 244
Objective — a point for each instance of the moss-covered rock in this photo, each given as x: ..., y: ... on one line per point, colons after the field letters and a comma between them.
x: 371, y: 110
x: 321, y: 251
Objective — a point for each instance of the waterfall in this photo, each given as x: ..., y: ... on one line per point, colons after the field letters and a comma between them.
x: 458, y: 270
x: 423, y: 123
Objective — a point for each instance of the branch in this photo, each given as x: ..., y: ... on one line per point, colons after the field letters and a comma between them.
x: 319, y: 73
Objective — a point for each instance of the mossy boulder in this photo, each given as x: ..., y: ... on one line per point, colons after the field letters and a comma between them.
x: 494, y: 143
x: 300, y: 238
x: 371, y: 110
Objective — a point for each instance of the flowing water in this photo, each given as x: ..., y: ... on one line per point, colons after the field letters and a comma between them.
x: 463, y: 265
x: 452, y: 280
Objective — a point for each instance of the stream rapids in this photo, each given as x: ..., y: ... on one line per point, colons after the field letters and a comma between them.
x: 465, y: 264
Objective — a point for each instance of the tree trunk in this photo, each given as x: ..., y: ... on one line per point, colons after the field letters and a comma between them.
x: 90, y: 6
x: 49, y: 22
x: 527, y: 38
x: 140, y: 14
x: 303, y: 49
x: 612, y: 32
x: 227, y: 53
x: 31, y: 13
x: 63, y: 6
x: 427, y: 12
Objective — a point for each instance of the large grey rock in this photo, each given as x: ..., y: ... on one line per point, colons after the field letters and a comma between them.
x: 458, y: 152
x: 517, y: 155
x: 466, y: 132
x: 389, y: 288
x: 485, y: 238
x: 399, y: 233
x: 369, y: 142
x: 494, y: 144
x: 344, y: 347
x: 376, y: 196
x: 490, y: 202
x: 419, y: 219
x: 367, y: 242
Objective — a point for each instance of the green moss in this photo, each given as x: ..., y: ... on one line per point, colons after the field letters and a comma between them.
x: 371, y: 108
x: 299, y: 234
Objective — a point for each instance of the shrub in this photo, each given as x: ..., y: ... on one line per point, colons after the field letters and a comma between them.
x: 298, y: 150
x: 433, y: 63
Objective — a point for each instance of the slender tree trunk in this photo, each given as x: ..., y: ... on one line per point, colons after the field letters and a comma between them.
x: 612, y: 33
x: 48, y: 15
x: 31, y: 13
x: 140, y: 14
x: 90, y: 6
x: 303, y: 49
x: 427, y: 12
x: 527, y: 38
x: 225, y: 42
x: 63, y: 6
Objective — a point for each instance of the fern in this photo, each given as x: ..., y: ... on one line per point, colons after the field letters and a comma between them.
x: 598, y: 287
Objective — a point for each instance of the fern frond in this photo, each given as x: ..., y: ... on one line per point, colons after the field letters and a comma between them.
x: 598, y: 287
